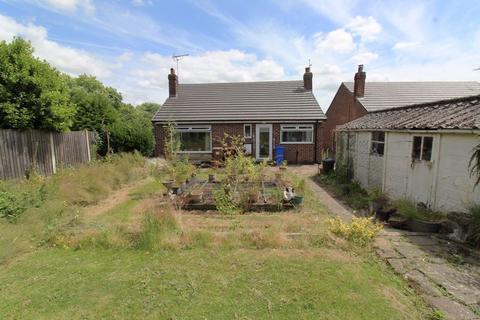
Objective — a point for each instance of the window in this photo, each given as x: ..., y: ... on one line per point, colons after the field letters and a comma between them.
x: 247, y: 130
x: 422, y: 148
x: 296, y: 134
x: 195, y: 138
x: 378, y: 143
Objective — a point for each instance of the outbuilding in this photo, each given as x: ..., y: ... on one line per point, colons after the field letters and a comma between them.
x: 419, y: 152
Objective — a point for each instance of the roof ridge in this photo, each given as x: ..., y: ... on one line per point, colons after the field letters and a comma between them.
x: 239, y: 82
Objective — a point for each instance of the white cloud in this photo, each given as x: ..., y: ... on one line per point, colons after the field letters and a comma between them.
x: 71, y: 5
x: 367, y: 28
x: 365, y: 57
x: 65, y: 58
x: 405, y: 45
x: 338, y: 40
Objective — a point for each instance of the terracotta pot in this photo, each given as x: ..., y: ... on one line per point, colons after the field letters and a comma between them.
x: 196, y: 197
x: 168, y: 184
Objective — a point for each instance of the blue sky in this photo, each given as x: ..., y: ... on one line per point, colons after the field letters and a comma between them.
x: 128, y: 44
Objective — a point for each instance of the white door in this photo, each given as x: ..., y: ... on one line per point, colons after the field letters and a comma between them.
x: 263, y: 141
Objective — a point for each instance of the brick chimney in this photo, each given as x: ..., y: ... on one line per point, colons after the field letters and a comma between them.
x: 359, y: 84
x: 307, y: 79
x: 172, y: 83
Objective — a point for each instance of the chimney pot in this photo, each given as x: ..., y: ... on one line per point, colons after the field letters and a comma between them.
x: 172, y: 83
x: 359, y: 82
x: 308, y: 79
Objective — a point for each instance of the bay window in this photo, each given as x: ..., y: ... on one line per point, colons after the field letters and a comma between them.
x: 194, y: 139
x: 296, y: 134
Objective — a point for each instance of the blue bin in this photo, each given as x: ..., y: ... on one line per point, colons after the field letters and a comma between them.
x: 279, y: 155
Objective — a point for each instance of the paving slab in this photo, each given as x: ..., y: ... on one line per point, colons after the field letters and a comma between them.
x: 410, y: 251
x: 422, y: 283
x: 451, y: 309
x: 385, y: 249
x: 398, y: 265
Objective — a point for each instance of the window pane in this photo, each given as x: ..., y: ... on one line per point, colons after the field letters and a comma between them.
x: 247, y: 130
x: 427, y: 148
x: 417, y: 145
x: 194, y: 141
x: 297, y: 136
x: 377, y: 148
x: 378, y: 136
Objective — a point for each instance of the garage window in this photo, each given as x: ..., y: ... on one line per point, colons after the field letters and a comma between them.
x: 422, y: 148
x: 195, y: 139
x: 296, y: 134
x: 378, y: 143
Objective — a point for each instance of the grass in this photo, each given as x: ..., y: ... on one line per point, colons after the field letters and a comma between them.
x: 138, y: 257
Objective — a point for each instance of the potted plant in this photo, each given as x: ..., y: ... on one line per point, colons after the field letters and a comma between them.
x: 283, y: 165
x: 379, y: 204
x: 196, y: 196
x: 418, y: 218
x: 168, y: 183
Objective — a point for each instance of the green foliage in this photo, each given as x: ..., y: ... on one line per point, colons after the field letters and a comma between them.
x: 474, y: 164
x: 407, y: 209
x: 474, y: 226
x: 360, y: 231
x: 349, y: 191
x: 33, y: 95
x: 132, y: 131
x: 148, y: 109
x: 224, y: 202
x: 155, y: 229
x: 172, y: 143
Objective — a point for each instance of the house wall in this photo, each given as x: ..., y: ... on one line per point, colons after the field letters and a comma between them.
x: 294, y: 153
x: 344, y: 108
x: 443, y: 184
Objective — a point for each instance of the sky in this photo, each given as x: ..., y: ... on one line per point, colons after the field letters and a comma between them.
x: 129, y: 44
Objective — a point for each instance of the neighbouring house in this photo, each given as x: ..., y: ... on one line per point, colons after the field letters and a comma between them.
x: 355, y: 99
x: 266, y: 114
x: 419, y: 152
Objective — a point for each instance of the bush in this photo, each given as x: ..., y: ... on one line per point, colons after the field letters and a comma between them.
x: 360, y: 231
x: 224, y: 202
x: 474, y: 227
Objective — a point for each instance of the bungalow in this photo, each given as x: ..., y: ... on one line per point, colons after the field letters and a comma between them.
x: 355, y: 99
x: 266, y: 114
x: 419, y: 152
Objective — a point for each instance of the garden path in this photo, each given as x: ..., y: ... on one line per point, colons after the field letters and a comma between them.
x: 446, y: 274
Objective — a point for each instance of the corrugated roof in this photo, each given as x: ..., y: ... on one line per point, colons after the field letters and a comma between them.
x: 463, y: 113
x: 272, y: 100
x: 382, y: 95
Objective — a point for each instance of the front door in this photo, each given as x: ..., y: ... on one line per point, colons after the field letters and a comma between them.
x: 264, y: 141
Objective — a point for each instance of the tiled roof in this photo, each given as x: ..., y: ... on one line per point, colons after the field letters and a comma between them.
x: 463, y: 113
x: 382, y: 95
x: 238, y: 101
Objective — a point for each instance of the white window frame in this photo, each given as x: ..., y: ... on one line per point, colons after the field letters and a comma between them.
x: 421, y: 147
x: 244, y: 127
x: 296, y: 128
x: 372, y: 141
x: 195, y: 128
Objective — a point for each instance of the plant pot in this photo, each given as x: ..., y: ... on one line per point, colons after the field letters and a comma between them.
x: 398, y: 222
x: 416, y: 225
x: 196, y: 197
x: 176, y: 189
x: 168, y: 184
x: 297, y: 200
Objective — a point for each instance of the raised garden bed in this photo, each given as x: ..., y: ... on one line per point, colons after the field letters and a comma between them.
x: 265, y: 200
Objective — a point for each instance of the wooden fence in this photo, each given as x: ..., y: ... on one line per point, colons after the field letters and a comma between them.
x: 21, y: 151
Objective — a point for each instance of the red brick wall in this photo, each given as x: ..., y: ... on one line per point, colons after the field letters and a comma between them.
x: 303, y: 153
x: 344, y: 108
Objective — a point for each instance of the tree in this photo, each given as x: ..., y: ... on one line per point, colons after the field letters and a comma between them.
x: 132, y: 131
x: 33, y: 95
x: 148, y: 109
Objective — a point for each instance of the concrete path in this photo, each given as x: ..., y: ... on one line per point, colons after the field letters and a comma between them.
x: 334, y: 207
x: 447, y: 275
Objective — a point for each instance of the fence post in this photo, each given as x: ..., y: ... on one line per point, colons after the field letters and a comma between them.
x: 52, y: 150
x: 88, y: 146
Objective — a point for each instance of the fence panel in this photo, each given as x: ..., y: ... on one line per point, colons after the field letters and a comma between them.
x: 21, y: 151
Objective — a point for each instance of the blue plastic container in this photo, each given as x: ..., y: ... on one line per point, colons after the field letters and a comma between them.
x: 279, y: 155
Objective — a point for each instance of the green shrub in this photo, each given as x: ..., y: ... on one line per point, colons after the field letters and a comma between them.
x: 407, y: 209
x: 474, y: 227
x: 223, y: 202
x: 361, y: 231
x: 157, y: 227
